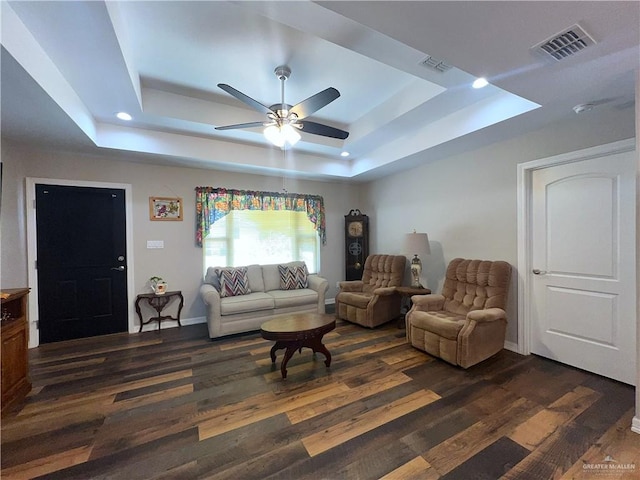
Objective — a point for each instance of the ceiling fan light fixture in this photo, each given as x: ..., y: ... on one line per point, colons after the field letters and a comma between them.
x: 290, y: 134
x: 281, y: 135
x: 273, y: 134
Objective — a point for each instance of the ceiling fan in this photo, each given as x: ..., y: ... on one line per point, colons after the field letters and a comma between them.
x: 284, y: 120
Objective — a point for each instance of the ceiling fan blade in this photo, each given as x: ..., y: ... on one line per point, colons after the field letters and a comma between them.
x: 244, y: 98
x: 324, y: 130
x: 315, y: 102
x: 242, y: 125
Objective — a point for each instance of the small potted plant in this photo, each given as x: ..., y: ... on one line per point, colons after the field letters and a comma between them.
x: 158, y: 285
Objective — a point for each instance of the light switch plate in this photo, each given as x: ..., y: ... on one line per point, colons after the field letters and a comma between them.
x: 155, y: 243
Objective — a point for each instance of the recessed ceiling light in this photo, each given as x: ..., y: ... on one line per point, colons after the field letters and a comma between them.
x: 480, y: 83
x: 344, y: 154
x: 123, y: 116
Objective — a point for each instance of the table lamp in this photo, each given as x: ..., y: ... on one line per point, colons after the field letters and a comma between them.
x: 416, y: 244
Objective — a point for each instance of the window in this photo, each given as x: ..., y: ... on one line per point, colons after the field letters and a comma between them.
x: 245, y: 237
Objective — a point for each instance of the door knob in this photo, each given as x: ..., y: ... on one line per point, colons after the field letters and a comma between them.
x: 119, y: 269
x: 537, y: 271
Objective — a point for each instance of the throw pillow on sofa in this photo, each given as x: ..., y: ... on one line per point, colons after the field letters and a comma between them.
x: 233, y: 281
x: 293, y: 278
x: 213, y: 278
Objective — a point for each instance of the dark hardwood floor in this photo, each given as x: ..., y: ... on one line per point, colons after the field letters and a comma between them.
x: 174, y: 404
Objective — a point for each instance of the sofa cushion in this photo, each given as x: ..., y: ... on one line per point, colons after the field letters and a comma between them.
x: 443, y: 324
x: 251, y: 302
x: 256, y: 283
x: 271, y: 275
x: 355, y: 299
x: 293, y: 278
x: 233, y: 281
x: 294, y: 298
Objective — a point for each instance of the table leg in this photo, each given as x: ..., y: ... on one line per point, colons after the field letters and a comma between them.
x: 291, y: 349
x: 278, y: 346
x: 291, y: 346
x: 316, y: 345
x: 180, y: 308
x: 139, y: 313
x: 405, y: 306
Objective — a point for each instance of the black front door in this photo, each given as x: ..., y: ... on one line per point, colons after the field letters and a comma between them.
x: 81, y: 262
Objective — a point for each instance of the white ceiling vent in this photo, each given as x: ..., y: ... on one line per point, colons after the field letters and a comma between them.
x: 565, y: 44
x: 435, y: 64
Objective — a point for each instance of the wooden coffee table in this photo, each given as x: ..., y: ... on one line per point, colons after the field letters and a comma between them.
x: 295, y: 331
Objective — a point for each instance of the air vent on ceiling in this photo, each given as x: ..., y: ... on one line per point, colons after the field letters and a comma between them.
x: 565, y: 44
x: 435, y: 64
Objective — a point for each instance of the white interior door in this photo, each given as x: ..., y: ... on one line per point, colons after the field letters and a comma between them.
x: 583, y: 259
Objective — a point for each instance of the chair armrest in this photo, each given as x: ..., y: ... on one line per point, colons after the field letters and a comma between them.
x: 351, y: 286
x: 487, y: 315
x: 384, y: 291
x: 428, y: 303
x: 482, y: 335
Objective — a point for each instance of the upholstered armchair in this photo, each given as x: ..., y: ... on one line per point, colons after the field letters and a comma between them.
x: 467, y: 323
x: 373, y: 300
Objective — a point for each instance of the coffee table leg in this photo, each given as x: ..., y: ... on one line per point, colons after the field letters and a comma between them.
x: 317, y: 346
x: 278, y: 346
x: 291, y: 349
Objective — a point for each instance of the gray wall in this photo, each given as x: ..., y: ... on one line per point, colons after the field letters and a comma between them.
x: 467, y: 203
x: 180, y: 262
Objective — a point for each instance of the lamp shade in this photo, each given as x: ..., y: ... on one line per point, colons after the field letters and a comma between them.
x: 417, y: 244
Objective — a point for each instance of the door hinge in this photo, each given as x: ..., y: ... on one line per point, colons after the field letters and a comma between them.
x: 36, y: 264
x: 37, y: 322
x: 34, y: 203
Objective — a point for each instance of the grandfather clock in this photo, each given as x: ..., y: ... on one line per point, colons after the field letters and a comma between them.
x: 356, y: 234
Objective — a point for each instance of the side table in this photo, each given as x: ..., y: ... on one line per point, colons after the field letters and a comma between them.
x: 406, y: 293
x: 158, y: 302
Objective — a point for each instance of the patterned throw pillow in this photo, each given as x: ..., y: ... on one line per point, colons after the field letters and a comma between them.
x: 292, y: 278
x: 233, y: 281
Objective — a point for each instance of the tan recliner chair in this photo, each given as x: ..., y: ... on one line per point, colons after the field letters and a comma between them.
x: 373, y: 300
x: 467, y: 323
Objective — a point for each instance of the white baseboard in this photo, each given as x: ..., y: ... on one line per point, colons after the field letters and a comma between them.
x: 635, y: 424
x: 330, y: 301
x: 170, y: 324
x: 193, y: 321
x: 511, y: 346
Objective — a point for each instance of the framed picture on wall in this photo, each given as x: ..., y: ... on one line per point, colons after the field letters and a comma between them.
x: 165, y: 208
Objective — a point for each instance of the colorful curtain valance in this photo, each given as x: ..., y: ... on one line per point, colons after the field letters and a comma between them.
x: 214, y: 203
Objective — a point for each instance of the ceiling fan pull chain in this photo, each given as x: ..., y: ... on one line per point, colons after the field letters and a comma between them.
x: 284, y: 177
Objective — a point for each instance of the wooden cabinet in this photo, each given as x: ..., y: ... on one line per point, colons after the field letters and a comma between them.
x: 15, y: 344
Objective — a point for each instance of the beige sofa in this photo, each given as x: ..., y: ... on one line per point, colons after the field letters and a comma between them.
x: 246, y: 312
